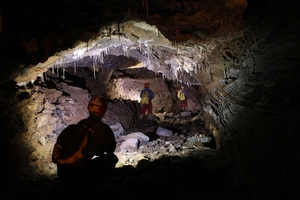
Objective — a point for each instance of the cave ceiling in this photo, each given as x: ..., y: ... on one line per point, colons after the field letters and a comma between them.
x: 186, y: 41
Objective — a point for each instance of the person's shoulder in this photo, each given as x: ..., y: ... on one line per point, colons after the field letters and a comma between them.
x: 107, y: 128
x: 100, y: 125
x: 83, y: 121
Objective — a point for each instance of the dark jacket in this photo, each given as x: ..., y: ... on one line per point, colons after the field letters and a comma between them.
x: 103, y: 140
x: 150, y: 93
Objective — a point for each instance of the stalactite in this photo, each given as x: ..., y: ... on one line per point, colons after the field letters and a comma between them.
x: 100, y: 57
x: 63, y: 76
x: 57, y: 72
x: 140, y: 48
x: 145, y: 4
x: 74, y: 64
x: 106, y: 51
x: 94, y: 72
x: 148, y: 51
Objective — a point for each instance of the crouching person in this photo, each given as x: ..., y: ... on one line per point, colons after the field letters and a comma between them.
x: 85, y: 151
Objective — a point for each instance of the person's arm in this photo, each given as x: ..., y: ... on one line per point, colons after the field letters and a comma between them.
x: 186, y: 94
x: 178, y: 93
x: 152, y: 95
x: 111, y: 143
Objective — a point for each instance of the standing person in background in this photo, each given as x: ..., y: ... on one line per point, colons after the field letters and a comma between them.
x: 183, y: 95
x: 146, y: 96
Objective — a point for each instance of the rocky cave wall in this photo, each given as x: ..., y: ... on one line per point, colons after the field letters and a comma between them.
x: 259, y: 108
x: 249, y: 71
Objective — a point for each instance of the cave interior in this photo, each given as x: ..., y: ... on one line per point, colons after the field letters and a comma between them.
x: 238, y: 59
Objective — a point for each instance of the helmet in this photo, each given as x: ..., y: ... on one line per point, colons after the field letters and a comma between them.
x: 146, y: 85
x: 97, y: 105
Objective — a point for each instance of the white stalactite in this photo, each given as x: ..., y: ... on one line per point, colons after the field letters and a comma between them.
x: 148, y: 51
x: 140, y: 47
x: 57, y: 72
x: 101, y: 56
x: 63, y: 76
x: 106, y: 51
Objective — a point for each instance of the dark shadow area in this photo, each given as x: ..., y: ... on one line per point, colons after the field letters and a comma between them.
x: 165, y: 178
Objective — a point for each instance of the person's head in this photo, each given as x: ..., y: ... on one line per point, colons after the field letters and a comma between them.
x: 146, y: 85
x: 182, y: 87
x: 97, y: 106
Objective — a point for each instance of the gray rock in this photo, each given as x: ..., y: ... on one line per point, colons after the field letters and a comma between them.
x: 164, y: 132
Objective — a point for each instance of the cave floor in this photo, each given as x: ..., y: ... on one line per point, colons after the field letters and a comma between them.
x: 204, y: 173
